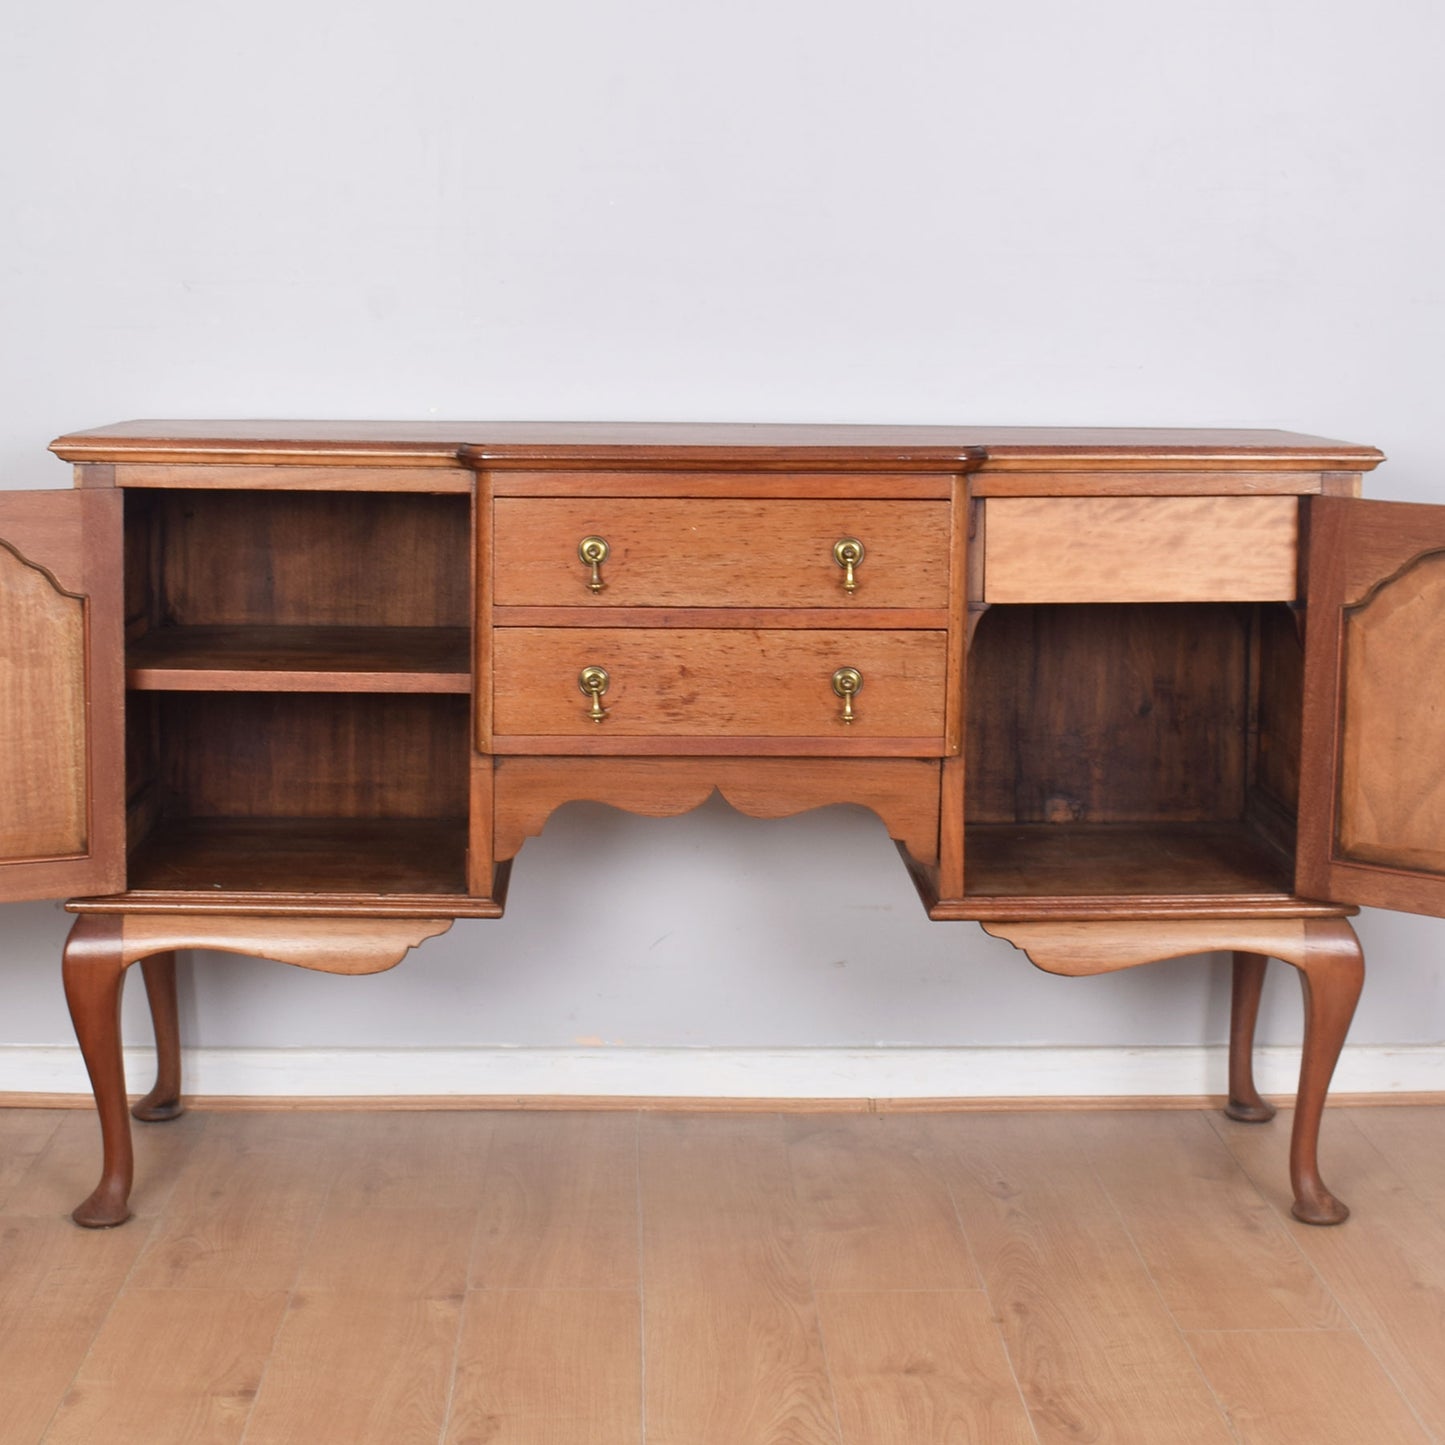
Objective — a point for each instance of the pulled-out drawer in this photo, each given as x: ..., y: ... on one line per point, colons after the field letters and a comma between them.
x: 1140, y: 549
x: 701, y: 552
x: 845, y: 690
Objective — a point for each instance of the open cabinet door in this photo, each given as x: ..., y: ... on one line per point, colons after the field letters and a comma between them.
x: 1372, y: 788
x: 62, y: 694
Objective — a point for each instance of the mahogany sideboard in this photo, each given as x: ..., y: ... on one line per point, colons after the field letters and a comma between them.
x: 302, y: 690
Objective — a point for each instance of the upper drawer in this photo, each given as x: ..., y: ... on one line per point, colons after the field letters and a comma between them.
x: 692, y: 552
x: 1140, y: 549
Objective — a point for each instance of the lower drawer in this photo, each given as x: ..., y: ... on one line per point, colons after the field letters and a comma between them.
x: 723, y: 684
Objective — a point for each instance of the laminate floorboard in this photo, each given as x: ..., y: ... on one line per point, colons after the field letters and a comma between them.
x: 1221, y: 1257
x: 558, y: 1204
x: 1385, y: 1265
x: 1322, y: 1387
x: 874, y: 1207
x: 1097, y: 1354
x: 549, y: 1367
x: 925, y: 1366
x: 641, y: 1278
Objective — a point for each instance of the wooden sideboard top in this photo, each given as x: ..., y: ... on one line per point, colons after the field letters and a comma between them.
x: 443, y: 443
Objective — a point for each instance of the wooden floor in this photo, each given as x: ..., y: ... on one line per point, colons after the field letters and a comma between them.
x: 585, y: 1279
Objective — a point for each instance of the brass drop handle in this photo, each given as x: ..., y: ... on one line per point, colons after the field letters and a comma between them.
x: 592, y: 682
x: 847, y: 683
x: 848, y: 553
x: 594, y: 552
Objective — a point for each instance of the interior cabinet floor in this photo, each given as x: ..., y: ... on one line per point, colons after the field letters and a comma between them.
x: 716, y: 1279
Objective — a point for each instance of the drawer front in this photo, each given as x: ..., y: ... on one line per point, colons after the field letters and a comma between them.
x: 694, y: 552
x: 701, y: 683
x: 1140, y: 549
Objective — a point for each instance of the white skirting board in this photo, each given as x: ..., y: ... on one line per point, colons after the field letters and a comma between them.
x: 820, y: 1073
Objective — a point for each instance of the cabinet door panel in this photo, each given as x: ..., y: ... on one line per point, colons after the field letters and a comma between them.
x: 62, y: 777
x: 1372, y: 807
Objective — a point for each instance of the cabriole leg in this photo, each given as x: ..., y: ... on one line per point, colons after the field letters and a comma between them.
x: 164, y: 1100
x: 94, y: 974
x: 1332, y: 972
x: 1245, y: 1103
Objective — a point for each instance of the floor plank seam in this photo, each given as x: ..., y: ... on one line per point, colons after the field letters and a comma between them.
x: 154, y: 1226
x: 995, y: 1315
x: 1223, y: 1129
x: 301, y: 1256
x: 641, y: 1289
x: 1224, y: 1412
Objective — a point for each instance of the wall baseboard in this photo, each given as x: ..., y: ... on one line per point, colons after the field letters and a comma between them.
x: 864, y: 1078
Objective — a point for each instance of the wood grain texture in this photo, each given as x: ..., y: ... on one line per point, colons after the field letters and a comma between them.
x: 1196, y: 481
x: 730, y: 1332
x: 301, y: 659
x: 1103, y: 714
x: 332, y: 945
x: 476, y: 442
x: 421, y: 1160
x: 243, y: 1209
x: 1278, y: 687
x: 701, y: 553
x: 926, y: 1367
x: 901, y: 791
x: 1221, y: 1257
x: 956, y: 679
x: 62, y: 781
x: 280, y: 559
x: 313, y: 755
x: 1327, y: 1388
x: 483, y: 878
x: 1392, y: 766
x: 718, y: 1203
x: 933, y: 619
x: 1412, y: 1140
x: 1140, y: 549
x: 1360, y: 550
x: 1386, y: 1267
x: 359, y: 864
x: 1081, y: 949
x: 549, y: 1367
x: 416, y: 1253
x: 1121, y: 860
x: 1095, y: 1351
x: 728, y: 1363
x: 362, y: 866
x: 172, y: 1365
x: 43, y: 794
x: 376, y: 477
x: 875, y: 1212
x: 723, y: 683
x: 365, y: 1368
x: 57, y: 1285
x: 741, y: 482
x: 24, y: 1136
x: 558, y: 1207
x: 65, y: 1169
x: 1099, y: 1234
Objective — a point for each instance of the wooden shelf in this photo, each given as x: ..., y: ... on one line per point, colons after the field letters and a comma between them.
x: 355, y: 857
x: 1122, y: 860
x: 301, y: 659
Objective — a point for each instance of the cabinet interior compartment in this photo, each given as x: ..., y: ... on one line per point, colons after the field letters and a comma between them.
x: 1133, y: 749
x: 347, y: 793
x: 363, y: 591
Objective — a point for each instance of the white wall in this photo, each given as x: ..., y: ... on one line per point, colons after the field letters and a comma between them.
x: 935, y: 210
